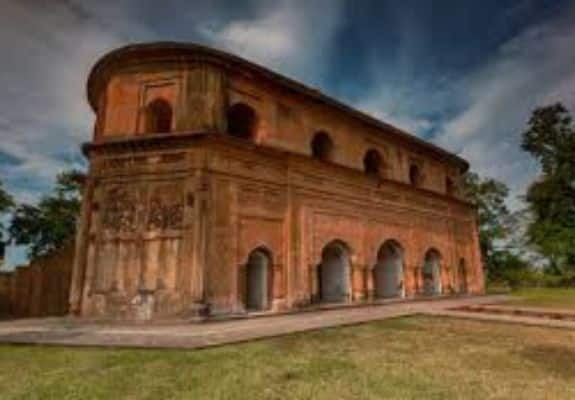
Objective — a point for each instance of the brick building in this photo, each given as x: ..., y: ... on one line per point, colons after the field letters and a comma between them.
x: 217, y: 186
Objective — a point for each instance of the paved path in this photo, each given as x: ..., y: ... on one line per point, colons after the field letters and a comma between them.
x: 539, y: 316
x: 70, y: 332
x: 559, y: 313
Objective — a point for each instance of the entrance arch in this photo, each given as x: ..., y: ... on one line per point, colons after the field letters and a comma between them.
x: 388, y: 271
x: 334, y: 272
x: 258, y: 281
x: 462, y: 276
x: 432, y: 273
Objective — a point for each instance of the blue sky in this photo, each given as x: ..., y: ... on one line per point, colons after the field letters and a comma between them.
x: 462, y: 74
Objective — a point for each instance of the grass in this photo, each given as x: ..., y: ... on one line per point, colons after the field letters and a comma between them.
x: 406, y: 358
x: 544, y: 297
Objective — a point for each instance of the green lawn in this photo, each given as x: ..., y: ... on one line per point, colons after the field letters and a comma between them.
x: 544, y: 297
x: 407, y: 358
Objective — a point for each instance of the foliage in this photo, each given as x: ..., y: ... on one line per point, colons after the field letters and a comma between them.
x: 51, y: 223
x: 6, y: 201
x: 550, y: 139
x: 6, y: 205
x: 511, y: 269
x: 489, y: 196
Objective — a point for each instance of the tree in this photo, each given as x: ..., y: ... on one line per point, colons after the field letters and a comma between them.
x: 489, y: 196
x: 550, y: 139
x: 6, y: 205
x: 510, y: 268
x: 51, y: 223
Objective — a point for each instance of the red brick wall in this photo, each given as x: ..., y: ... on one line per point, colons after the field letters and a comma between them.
x: 169, y: 220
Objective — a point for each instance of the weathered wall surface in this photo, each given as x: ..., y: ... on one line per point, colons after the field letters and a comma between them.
x: 171, y: 216
x: 289, y: 121
x: 139, y: 248
x: 171, y: 230
x: 200, y: 94
x: 39, y: 289
x: 297, y: 206
x: 196, y: 93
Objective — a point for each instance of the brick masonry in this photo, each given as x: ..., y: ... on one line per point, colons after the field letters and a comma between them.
x: 170, y: 218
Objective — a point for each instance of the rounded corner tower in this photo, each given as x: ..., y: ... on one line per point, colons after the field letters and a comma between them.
x: 217, y: 186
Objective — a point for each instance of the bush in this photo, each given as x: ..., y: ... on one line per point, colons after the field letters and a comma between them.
x: 563, y: 280
x: 526, y: 277
x: 512, y: 279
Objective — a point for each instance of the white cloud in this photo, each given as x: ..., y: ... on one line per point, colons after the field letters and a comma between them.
x: 488, y: 108
x: 49, y: 48
x: 533, y: 69
x: 377, y: 107
x: 47, y: 51
x: 292, y: 37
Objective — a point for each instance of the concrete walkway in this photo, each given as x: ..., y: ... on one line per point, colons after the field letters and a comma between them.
x: 515, y: 319
x: 509, y: 313
x: 70, y: 332
x: 547, y: 312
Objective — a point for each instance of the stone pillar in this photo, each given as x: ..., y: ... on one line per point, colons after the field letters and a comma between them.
x: 80, y: 251
x: 476, y: 274
x: 313, y: 285
x: 279, y: 284
x: 369, y: 284
x: 358, y: 282
x: 414, y: 276
x: 221, y: 280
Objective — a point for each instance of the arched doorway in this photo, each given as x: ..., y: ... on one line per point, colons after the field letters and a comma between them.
x: 388, y: 271
x: 242, y: 120
x: 462, y: 276
x: 258, y: 281
x: 432, y: 273
x: 334, y: 272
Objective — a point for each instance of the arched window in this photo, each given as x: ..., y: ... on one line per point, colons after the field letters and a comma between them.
x: 242, y: 121
x: 159, y: 117
x: 372, y: 163
x: 414, y: 175
x: 322, y: 146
